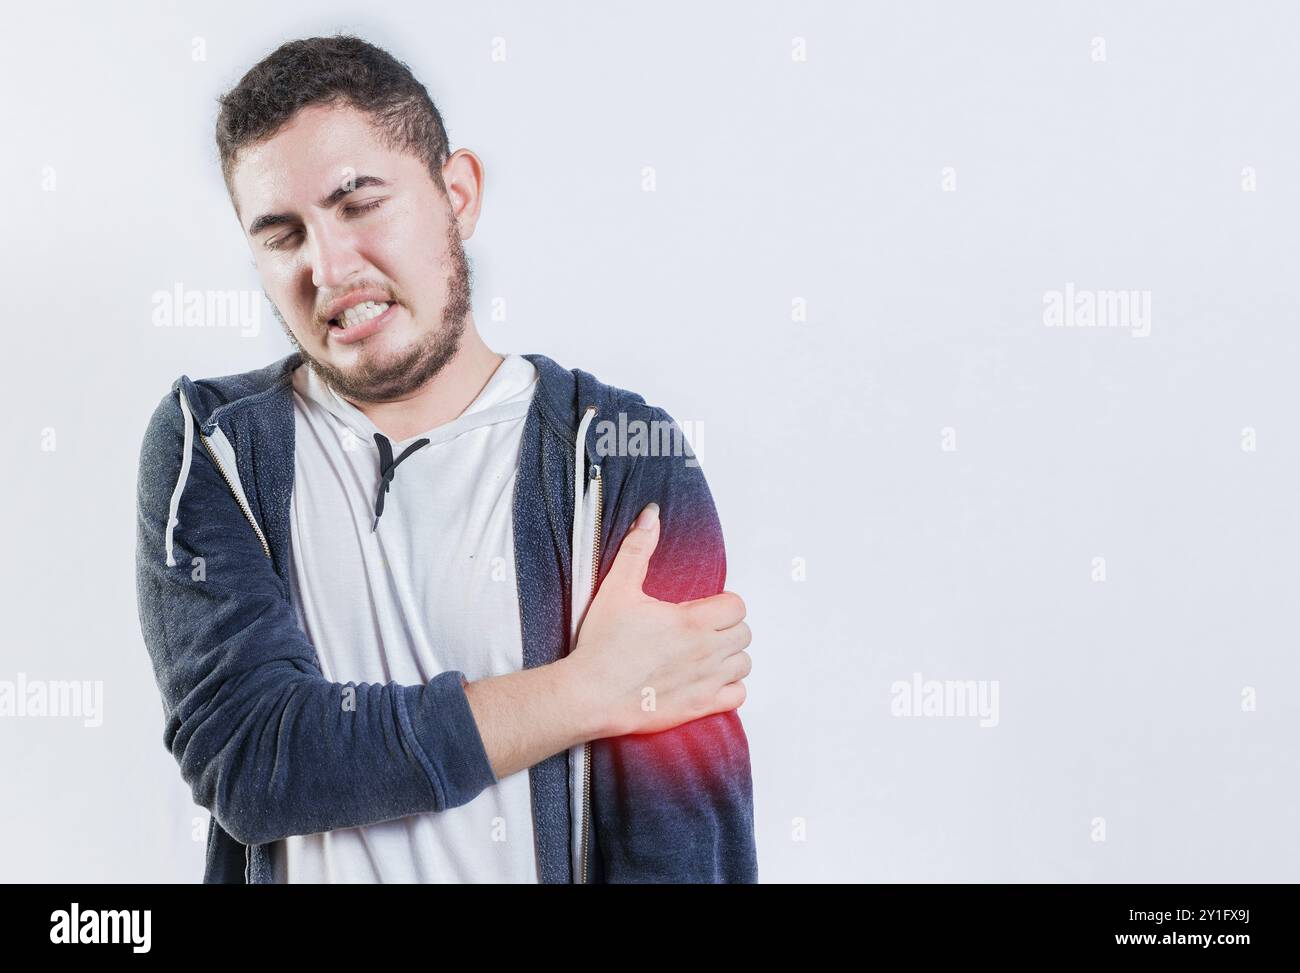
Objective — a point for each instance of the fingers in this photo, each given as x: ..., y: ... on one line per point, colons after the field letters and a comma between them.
x: 729, y: 641
x: 717, y: 611
x: 732, y: 694
x: 633, y: 558
x: 737, y: 667
x: 729, y: 697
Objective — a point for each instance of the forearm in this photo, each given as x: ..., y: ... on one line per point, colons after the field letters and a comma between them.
x: 525, y: 717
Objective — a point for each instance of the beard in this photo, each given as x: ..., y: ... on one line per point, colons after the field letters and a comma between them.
x: 397, y: 376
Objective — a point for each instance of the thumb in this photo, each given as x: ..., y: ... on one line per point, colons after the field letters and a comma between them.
x: 633, y: 558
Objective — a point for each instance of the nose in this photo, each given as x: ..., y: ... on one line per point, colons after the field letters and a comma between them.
x: 334, y: 257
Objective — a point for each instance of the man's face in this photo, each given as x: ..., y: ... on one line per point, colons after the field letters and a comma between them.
x: 351, y: 221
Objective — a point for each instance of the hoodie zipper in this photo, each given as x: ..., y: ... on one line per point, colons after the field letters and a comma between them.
x: 242, y: 506
x: 586, y: 747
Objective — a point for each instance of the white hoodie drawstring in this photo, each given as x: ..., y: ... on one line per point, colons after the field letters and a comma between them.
x: 184, y: 475
x: 579, y: 495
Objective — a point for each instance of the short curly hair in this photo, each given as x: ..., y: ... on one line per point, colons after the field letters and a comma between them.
x: 331, y: 70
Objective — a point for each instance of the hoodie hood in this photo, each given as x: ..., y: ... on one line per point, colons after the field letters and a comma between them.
x: 567, y: 402
x: 504, y: 397
x: 560, y: 390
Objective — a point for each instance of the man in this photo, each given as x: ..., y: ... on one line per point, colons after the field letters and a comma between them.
x: 383, y: 577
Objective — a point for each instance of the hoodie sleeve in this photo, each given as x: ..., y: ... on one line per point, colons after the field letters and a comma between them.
x: 676, y: 806
x: 266, y: 743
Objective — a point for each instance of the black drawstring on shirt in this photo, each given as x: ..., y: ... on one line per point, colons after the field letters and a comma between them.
x: 388, y: 469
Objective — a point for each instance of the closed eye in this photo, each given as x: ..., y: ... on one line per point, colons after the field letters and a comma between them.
x: 366, y: 207
x: 279, y: 242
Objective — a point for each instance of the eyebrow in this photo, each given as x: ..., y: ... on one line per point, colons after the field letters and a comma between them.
x: 268, y: 220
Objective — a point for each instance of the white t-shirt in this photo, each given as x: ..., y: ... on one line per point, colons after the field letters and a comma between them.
x: 431, y: 589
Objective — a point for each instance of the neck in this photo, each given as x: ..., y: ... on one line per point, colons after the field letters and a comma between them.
x: 441, y: 399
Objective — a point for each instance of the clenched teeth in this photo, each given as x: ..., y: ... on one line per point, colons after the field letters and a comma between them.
x: 361, y: 313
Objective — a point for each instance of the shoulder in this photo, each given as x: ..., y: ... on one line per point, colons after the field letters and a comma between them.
x: 637, y: 442
x: 204, y: 396
x: 229, y: 391
x: 568, y: 393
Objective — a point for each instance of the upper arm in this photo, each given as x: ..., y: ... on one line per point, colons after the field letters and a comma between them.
x: 681, y: 804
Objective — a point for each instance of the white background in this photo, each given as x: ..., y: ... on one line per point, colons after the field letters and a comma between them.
x: 776, y: 179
